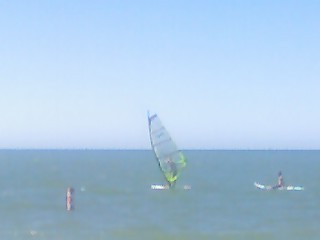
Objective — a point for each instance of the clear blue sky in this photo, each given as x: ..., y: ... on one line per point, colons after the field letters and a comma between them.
x: 220, y: 74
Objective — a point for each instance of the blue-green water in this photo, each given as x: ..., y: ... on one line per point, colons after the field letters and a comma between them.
x: 113, y: 199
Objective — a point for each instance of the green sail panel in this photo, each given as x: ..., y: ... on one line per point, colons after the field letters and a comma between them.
x: 171, y: 160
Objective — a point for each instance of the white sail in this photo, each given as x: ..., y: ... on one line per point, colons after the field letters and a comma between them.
x: 171, y: 161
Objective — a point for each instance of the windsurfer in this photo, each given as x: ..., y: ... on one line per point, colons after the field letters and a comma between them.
x: 174, y: 172
x: 171, y: 161
x: 280, y: 181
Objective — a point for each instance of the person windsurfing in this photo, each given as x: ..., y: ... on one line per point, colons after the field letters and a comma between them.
x: 174, y: 172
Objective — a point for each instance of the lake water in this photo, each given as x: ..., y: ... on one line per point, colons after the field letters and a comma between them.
x: 113, y: 198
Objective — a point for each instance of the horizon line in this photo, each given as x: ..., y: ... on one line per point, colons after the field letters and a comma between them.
x: 182, y: 149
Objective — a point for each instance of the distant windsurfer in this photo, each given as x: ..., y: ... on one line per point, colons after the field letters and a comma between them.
x: 280, y: 181
x: 69, y: 198
x: 173, y: 171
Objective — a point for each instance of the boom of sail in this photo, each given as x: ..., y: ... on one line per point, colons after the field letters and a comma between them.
x: 171, y: 161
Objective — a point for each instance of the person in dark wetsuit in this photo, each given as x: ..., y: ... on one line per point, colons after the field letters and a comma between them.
x: 280, y: 181
x: 173, y: 170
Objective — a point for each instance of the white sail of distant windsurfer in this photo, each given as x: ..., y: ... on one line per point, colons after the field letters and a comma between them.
x: 171, y: 161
